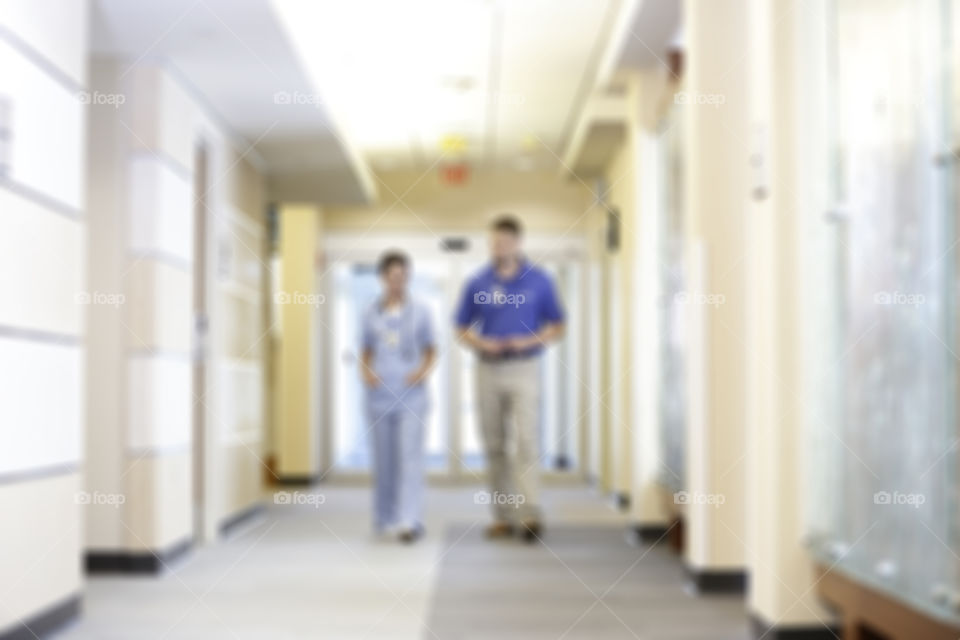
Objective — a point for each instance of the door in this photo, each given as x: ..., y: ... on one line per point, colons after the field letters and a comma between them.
x: 200, y: 341
x: 453, y: 445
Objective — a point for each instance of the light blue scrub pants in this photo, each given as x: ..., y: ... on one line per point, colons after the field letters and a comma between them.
x: 397, y: 430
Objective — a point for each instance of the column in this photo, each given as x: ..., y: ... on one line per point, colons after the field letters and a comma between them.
x: 789, y: 262
x: 297, y: 436
x: 717, y: 154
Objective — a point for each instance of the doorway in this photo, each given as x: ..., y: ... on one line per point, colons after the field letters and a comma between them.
x: 440, y: 269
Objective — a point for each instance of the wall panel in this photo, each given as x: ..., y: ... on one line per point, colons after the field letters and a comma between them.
x: 160, y: 402
x: 35, y: 246
x: 160, y: 209
x: 47, y: 130
x: 41, y: 405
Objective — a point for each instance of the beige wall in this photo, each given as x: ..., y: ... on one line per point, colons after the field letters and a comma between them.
x: 420, y: 203
x: 297, y: 433
x: 239, y: 336
x: 622, y: 183
x: 716, y: 189
x: 649, y: 500
x: 42, y: 285
x: 143, y: 405
x: 787, y: 271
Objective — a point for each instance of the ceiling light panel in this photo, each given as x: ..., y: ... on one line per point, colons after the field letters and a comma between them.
x: 396, y: 71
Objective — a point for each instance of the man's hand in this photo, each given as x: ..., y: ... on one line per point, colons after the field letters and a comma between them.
x: 491, y: 346
x: 522, y: 343
x: 545, y: 336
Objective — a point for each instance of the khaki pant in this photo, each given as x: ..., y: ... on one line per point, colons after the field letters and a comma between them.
x: 508, y: 401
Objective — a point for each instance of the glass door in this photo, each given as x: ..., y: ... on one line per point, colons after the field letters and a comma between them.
x: 454, y: 445
x: 356, y: 287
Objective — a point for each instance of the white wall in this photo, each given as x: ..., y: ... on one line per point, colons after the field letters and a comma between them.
x: 42, y: 248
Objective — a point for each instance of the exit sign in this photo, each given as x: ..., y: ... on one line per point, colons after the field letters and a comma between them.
x: 454, y: 174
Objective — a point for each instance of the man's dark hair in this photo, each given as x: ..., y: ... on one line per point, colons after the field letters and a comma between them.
x: 391, y: 258
x: 507, y: 223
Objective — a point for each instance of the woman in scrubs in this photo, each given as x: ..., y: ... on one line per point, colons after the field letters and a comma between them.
x: 398, y: 354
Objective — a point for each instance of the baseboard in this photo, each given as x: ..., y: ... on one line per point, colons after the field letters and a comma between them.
x: 241, y: 518
x: 45, y: 622
x: 718, y: 582
x: 298, y: 481
x: 144, y: 562
x: 767, y: 631
x: 622, y: 500
x: 651, y: 533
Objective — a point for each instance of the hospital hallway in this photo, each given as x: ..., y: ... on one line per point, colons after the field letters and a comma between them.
x: 296, y: 571
x: 480, y: 319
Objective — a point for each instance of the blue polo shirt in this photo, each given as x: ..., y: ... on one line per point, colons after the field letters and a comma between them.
x: 517, y: 307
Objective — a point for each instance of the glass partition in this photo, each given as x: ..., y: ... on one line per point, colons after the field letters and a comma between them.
x: 886, y: 500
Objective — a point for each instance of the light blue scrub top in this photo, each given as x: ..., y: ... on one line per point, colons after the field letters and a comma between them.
x: 398, y: 341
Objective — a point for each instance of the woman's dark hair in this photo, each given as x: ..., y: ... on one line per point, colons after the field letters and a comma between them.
x: 391, y: 258
x: 507, y: 223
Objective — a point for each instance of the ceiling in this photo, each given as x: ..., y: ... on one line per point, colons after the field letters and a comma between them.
x: 495, y: 83
x: 385, y: 84
x: 235, y: 56
x: 655, y: 27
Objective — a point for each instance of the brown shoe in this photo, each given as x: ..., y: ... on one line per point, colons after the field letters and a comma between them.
x: 530, y: 530
x: 499, y: 529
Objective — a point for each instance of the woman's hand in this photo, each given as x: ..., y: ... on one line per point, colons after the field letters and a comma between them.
x: 417, y: 376
x: 370, y: 378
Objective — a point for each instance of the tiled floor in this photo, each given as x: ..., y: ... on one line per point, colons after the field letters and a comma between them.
x: 315, y: 572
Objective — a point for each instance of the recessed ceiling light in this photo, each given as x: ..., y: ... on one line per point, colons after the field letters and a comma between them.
x: 458, y: 83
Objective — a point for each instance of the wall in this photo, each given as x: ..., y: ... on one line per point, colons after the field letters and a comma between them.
x: 420, y: 202
x: 649, y: 500
x: 42, y: 247
x: 177, y: 480
x: 717, y: 185
x: 629, y: 390
x: 617, y: 382
x: 297, y: 434
x: 240, y: 348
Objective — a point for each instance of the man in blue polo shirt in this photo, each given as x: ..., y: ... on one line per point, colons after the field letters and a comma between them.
x: 508, y: 313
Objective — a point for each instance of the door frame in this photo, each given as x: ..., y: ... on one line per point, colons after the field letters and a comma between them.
x: 351, y: 247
